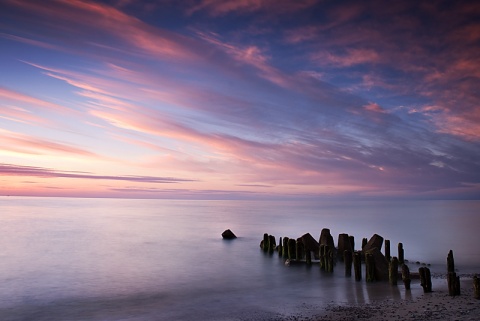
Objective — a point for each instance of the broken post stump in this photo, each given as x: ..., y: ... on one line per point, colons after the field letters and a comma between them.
x: 292, y: 255
x: 343, y: 245
x: 425, y: 279
x: 272, y: 244
x: 387, y: 250
x: 285, y: 247
x: 347, y: 258
x: 453, y: 284
x: 369, y: 268
x: 476, y: 287
x: 265, y: 242
x: 280, y: 247
x: 357, y: 265
x: 321, y: 251
x: 401, y: 258
x: 450, y: 262
x: 406, y: 276
x: 453, y: 280
x: 299, y: 250
x: 352, y: 242
x: 328, y: 258
x: 393, y: 271
x: 308, y: 257
x: 364, y: 242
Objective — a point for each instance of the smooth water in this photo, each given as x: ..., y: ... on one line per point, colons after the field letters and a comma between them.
x: 114, y: 259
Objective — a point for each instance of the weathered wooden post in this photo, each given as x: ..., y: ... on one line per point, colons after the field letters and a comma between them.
x: 308, y: 257
x: 401, y: 258
x: 285, y: 247
x: 326, y: 250
x: 292, y: 255
x: 352, y: 242
x: 450, y: 262
x: 328, y: 257
x: 357, y: 265
x: 271, y: 243
x: 452, y: 279
x: 321, y: 254
x: 476, y: 287
x: 300, y: 250
x: 425, y: 279
x: 343, y: 244
x: 406, y: 276
x: 387, y: 250
x: 265, y: 242
x: 280, y: 247
x: 364, y: 242
x: 369, y: 268
x: 347, y: 258
x: 393, y: 271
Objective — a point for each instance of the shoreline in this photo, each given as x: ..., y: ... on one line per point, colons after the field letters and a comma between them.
x: 437, y: 305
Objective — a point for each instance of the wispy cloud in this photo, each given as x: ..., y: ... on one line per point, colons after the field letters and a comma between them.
x: 32, y: 171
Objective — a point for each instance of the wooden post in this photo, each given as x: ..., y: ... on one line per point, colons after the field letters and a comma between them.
x: 406, y: 276
x: 453, y: 280
x: 331, y: 262
x: 328, y: 258
x: 387, y: 250
x: 300, y: 250
x: 271, y: 243
x: 321, y: 254
x: 285, y: 248
x: 401, y: 258
x: 364, y: 242
x: 265, y: 242
x: 425, y: 279
x: 352, y: 241
x: 450, y: 262
x: 291, y: 249
x: 280, y: 247
x: 357, y: 265
x: 476, y: 287
x: 308, y: 257
x: 369, y: 268
x: 393, y: 271
x: 326, y: 250
x: 347, y: 258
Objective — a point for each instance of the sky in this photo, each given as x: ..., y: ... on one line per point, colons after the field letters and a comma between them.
x: 240, y: 99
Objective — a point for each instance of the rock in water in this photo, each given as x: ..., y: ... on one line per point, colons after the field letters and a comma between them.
x: 227, y: 234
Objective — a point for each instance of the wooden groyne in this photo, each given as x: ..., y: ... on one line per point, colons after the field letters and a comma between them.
x: 378, y: 266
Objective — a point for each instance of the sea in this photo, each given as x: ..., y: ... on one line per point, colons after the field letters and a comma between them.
x: 137, y: 259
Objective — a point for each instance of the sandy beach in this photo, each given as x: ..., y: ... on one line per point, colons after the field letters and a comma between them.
x: 437, y: 305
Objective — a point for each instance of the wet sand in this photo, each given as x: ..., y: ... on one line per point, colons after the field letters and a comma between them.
x: 437, y: 305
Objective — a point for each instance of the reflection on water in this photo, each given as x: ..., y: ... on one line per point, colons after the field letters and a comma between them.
x: 109, y: 259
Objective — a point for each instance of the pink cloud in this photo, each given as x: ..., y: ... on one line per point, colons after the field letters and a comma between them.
x: 89, y: 21
x: 22, y: 143
x: 373, y: 107
x: 253, y: 56
x: 19, y: 98
x: 32, y: 171
x: 350, y: 58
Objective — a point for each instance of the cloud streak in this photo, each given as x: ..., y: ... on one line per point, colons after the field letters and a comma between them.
x: 32, y: 171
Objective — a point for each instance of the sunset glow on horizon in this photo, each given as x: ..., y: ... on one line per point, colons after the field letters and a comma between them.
x: 240, y: 99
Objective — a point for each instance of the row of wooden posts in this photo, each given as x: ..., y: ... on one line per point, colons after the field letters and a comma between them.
x: 293, y: 250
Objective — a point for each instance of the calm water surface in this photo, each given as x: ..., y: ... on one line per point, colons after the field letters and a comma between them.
x: 113, y: 259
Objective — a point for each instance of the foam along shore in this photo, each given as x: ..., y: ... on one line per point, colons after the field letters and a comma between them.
x: 437, y: 305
